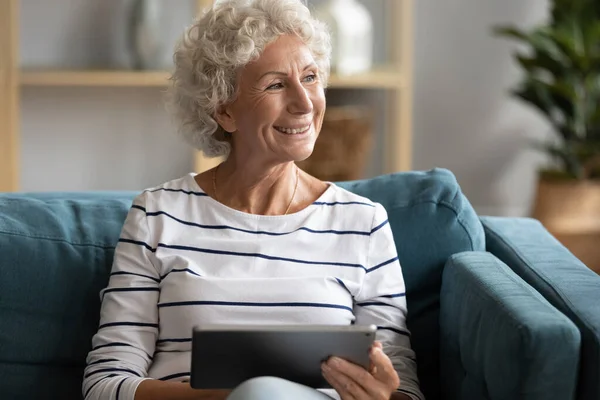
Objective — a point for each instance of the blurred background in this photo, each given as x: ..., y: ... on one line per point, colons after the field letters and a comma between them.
x: 83, y: 84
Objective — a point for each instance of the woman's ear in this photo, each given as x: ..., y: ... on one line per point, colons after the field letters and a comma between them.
x: 224, y: 117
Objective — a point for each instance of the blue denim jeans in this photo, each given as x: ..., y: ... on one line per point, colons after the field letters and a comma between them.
x: 271, y: 388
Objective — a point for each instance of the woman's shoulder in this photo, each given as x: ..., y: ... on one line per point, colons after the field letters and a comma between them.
x: 172, y: 190
x: 341, y: 195
x: 347, y: 201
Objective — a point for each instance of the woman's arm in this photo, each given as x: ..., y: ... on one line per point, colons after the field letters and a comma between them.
x: 381, y: 301
x: 159, y: 390
x: 124, y: 345
x: 117, y: 367
x: 400, y: 396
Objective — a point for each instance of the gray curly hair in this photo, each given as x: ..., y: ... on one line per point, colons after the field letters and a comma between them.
x: 227, y: 37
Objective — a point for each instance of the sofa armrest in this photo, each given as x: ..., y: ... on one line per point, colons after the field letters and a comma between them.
x: 500, y: 339
x: 539, y: 259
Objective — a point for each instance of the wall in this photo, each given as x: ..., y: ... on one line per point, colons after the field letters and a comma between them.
x: 464, y: 119
x: 81, y: 138
x: 111, y: 139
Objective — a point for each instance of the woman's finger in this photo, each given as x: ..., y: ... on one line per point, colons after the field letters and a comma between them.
x: 349, y: 372
x: 383, y: 369
x: 346, y: 387
x: 339, y: 388
x: 373, y: 367
x: 354, y: 372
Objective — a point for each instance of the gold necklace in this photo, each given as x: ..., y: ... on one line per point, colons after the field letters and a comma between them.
x: 214, y: 179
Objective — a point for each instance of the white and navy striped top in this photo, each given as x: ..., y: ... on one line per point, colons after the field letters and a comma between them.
x: 184, y: 259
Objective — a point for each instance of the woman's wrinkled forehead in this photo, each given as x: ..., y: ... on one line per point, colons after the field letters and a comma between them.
x: 286, y: 54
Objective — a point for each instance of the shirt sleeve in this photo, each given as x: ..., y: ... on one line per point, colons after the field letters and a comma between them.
x: 381, y: 301
x: 123, y: 347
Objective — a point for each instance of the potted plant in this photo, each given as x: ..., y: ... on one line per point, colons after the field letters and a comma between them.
x: 561, y: 64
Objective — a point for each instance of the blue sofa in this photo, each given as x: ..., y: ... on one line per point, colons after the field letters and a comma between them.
x: 498, y: 309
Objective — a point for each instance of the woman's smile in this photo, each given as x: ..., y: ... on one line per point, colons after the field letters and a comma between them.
x: 296, y: 130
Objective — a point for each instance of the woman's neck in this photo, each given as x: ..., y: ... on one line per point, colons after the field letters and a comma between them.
x: 256, y: 189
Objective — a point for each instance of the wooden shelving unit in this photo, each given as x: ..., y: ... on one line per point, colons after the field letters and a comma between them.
x: 92, y: 78
x: 9, y: 97
x: 395, y: 78
x: 379, y: 78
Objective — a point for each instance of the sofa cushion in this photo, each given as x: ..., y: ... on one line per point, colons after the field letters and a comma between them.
x: 55, y: 255
x: 431, y: 220
x: 501, y: 339
x: 539, y: 259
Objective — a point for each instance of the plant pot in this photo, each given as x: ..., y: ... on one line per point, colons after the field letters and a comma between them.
x: 584, y: 246
x: 570, y: 210
x: 568, y: 206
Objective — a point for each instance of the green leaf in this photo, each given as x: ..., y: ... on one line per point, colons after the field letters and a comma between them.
x: 544, y: 44
x: 570, y: 43
x: 595, y: 119
x: 511, y: 33
x: 564, y: 157
x: 528, y: 94
x: 540, y: 64
x: 561, y: 62
x: 550, y: 98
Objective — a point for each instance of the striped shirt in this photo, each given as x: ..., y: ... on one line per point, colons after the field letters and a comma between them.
x: 184, y: 259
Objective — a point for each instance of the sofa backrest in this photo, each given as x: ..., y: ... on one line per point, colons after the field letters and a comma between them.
x: 431, y: 220
x: 56, y: 252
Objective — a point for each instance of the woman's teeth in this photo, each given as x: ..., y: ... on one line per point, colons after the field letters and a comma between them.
x: 289, y: 131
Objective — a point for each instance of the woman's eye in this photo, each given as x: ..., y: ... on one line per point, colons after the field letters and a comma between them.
x: 275, y: 86
x: 310, y: 78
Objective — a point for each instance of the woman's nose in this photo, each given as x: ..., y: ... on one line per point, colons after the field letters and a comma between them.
x: 300, y: 101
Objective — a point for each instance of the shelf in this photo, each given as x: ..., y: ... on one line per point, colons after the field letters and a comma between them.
x: 378, y: 78
x: 92, y: 78
x: 381, y: 78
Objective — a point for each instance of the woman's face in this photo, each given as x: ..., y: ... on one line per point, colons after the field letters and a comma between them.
x: 279, y: 108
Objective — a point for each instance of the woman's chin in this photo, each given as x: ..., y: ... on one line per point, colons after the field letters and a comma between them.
x: 300, y: 153
x: 297, y: 148
x: 302, y: 157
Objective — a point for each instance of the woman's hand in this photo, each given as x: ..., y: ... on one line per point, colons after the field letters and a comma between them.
x: 353, y: 382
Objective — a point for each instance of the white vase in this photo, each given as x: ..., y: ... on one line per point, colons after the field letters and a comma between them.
x: 146, y: 36
x: 351, y: 28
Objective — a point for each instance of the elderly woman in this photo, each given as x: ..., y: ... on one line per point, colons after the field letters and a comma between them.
x: 254, y: 240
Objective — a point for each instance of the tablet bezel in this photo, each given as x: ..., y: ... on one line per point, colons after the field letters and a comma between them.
x: 302, y: 361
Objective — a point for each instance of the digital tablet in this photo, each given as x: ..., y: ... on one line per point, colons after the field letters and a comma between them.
x: 223, y: 356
